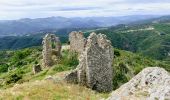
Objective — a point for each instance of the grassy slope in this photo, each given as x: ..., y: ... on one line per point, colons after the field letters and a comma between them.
x: 50, y: 90
x: 20, y: 63
x: 126, y: 65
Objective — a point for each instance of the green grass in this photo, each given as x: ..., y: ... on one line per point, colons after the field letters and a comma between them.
x: 20, y: 63
x: 48, y: 90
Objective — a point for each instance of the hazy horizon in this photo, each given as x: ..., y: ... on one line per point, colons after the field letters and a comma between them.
x: 151, y: 16
x: 18, y: 9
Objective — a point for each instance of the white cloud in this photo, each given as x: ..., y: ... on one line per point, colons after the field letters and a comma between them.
x: 14, y: 9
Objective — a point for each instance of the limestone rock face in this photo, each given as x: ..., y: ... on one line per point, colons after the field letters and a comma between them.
x: 77, y: 42
x: 51, y: 47
x: 36, y: 69
x: 95, y: 64
x: 153, y: 83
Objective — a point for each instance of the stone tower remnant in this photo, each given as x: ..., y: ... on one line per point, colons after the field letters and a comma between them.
x: 51, y: 46
x: 95, y: 64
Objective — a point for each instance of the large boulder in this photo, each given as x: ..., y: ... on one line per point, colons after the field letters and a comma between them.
x: 152, y: 83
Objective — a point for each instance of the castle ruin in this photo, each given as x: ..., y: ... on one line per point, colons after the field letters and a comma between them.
x: 77, y: 42
x: 51, y: 47
x: 95, y: 64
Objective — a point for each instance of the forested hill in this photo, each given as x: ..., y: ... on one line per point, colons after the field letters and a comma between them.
x: 150, y: 39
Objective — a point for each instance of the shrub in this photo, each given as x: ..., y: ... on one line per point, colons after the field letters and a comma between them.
x: 116, y: 53
x: 70, y: 59
x: 59, y: 68
x: 3, y: 68
x: 13, y: 77
x: 19, y: 55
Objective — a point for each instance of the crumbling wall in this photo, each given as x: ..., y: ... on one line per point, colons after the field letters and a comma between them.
x: 95, y: 64
x: 51, y: 47
x: 77, y: 42
x: 99, y: 58
x: 47, y: 51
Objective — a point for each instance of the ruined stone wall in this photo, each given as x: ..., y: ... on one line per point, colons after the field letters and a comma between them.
x: 57, y: 46
x: 77, y: 41
x: 99, y: 58
x: 51, y: 46
x: 95, y: 64
x: 47, y: 51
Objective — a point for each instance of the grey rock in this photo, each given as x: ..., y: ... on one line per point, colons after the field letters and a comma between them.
x: 37, y: 69
x: 154, y: 81
x: 72, y: 77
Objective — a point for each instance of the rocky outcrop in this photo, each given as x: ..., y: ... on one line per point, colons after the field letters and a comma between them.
x: 72, y: 77
x: 51, y: 46
x: 95, y: 64
x: 77, y: 42
x: 36, y: 69
x: 153, y: 83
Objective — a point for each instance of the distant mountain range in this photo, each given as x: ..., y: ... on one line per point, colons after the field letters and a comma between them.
x: 150, y: 37
x: 33, y: 26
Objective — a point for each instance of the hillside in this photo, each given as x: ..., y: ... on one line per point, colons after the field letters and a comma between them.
x: 17, y: 69
x: 50, y: 90
x: 151, y: 39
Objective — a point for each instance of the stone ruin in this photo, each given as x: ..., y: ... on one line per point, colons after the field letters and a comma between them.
x: 77, y: 42
x: 36, y: 69
x: 95, y: 64
x: 51, y: 48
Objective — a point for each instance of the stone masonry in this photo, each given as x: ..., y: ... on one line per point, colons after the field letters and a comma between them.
x: 95, y: 64
x: 51, y: 46
x: 47, y: 51
x: 77, y: 42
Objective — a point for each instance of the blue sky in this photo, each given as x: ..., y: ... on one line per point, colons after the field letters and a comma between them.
x: 15, y: 9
